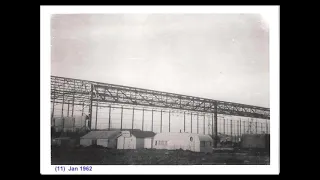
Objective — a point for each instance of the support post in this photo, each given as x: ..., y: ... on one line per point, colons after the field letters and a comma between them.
x: 142, y: 118
x: 161, y: 122
x: 72, y: 105
x: 204, y: 124
x: 184, y: 121
x: 74, y: 86
x: 231, y: 130
x: 82, y: 109
x: 197, y: 123
x: 244, y: 126
x: 132, y: 119
x: 53, y: 103
x: 256, y: 126
x: 169, y: 120
x: 215, y: 123
x: 62, y: 105
x: 212, y: 133
x: 109, y: 117
x: 191, y: 122
x: 121, y: 117
x: 90, y: 107
x: 68, y: 108
x: 237, y: 131
x: 267, y: 127
x: 152, y: 120
x: 97, y: 115
x: 240, y: 127
x: 224, y: 126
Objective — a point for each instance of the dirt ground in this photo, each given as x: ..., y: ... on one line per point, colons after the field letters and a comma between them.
x: 104, y: 156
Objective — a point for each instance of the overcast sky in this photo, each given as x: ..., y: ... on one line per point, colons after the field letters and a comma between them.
x: 217, y: 56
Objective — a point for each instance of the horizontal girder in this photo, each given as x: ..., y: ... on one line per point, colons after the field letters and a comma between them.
x: 79, y: 91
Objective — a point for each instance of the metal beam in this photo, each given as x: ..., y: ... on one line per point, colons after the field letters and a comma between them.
x: 121, y: 118
x: 161, y: 123
x: 142, y: 118
x: 72, y: 106
x: 96, y: 115
x: 197, y: 123
x: 184, y: 121
x: 132, y: 119
x: 204, y: 124
x: 191, y: 122
x: 90, y: 107
x: 215, y: 124
x: 143, y: 97
x: 169, y: 121
x: 109, y: 124
x: 152, y: 120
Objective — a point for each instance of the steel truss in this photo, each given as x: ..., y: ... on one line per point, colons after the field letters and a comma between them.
x: 64, y: 90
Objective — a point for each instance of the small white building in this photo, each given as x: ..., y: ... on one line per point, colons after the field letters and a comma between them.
x: 101, y: 138
x: 135, y: 140
x: 185, y: 141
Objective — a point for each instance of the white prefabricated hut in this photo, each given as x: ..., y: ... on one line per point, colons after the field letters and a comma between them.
x: 135, y: 140
x: 185, y: 141
x: 101, y: 138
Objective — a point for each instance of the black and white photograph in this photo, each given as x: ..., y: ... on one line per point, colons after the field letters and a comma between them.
x: 159, y: 90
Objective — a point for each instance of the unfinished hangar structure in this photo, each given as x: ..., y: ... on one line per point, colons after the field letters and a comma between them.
x: 69, y: 96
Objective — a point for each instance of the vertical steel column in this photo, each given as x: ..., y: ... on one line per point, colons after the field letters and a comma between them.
x: 240, y: 127
x: 204, y: 124
x: 82, y: 109
x: 191, y: 122
x: 215, y: 123
x: 72, y: 105
x: 142, y: 118
x: 109, y: 117
x: 62, y: 104
x: 237, y: 131
x: 97, y: 115
x: 152, y: 120
x: 68, y: 108
x: 212, y: 125
x: 169, y: 120
x: 74, y: 87
x: 231, y: 130
x: 256, y: 126
x: 132, y: 119
x: 90, y: 107
x: 121, y: 117
x: 224, y: 126
x: 197, y: 123
x: 161, y: 122
x: 184, y: 121
x: 53, y: 103
x: 74, y: 123
x: 267, y: 127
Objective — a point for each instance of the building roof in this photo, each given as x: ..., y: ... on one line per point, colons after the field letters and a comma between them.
x: 206, y: 137
x: 118, y: 129
x: 143, y: 134
x: 102, y: 135
x: 181, y: 136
